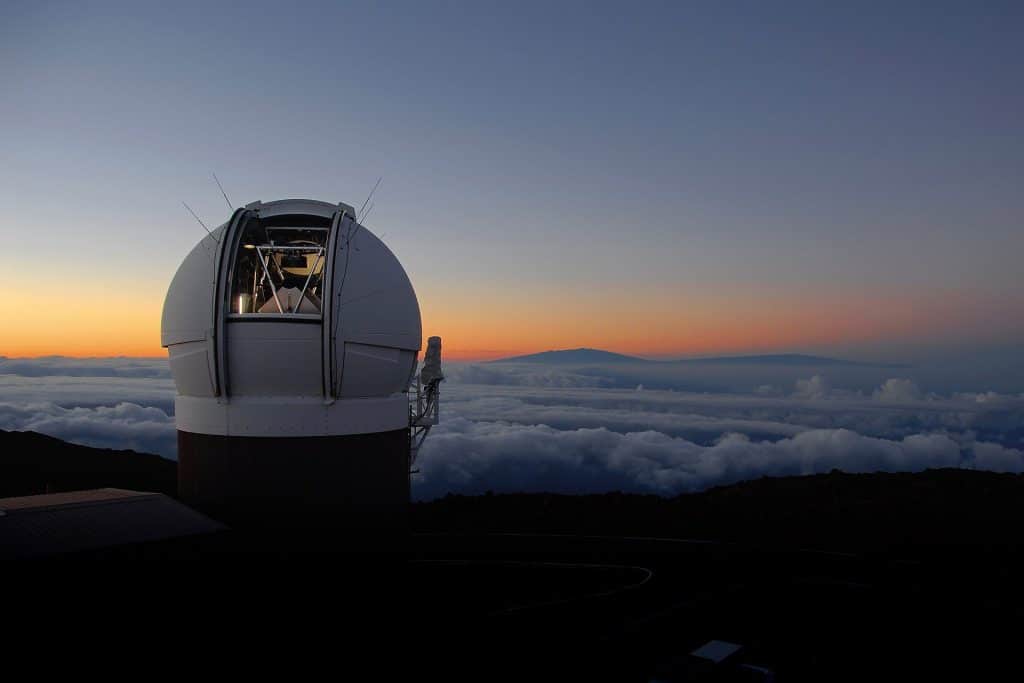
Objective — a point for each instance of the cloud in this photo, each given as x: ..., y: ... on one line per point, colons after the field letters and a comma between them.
x: 472, y: 457
x: 704, y: 417
x: 528, y: 376
x: 897, y: 391
x: 990, y: 397
x: 518, y: 438
x: 630, y: 413
x: 997, y: 458
x: 62, y: 366
x: 816, y: 387
x: 90, y: 392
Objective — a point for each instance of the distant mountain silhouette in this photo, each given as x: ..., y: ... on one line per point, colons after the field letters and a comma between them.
x: 788, y: 359
x: 598, y: 356
x: 574, y: 356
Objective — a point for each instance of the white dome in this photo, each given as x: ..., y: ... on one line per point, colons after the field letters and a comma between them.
x: 291, y: 319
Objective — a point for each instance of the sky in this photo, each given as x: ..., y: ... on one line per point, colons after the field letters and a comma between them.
x: 662, y: 179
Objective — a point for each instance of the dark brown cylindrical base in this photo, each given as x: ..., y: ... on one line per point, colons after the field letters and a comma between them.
x: 357, y: 483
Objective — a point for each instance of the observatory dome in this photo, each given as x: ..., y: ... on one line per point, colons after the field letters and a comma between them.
x: 291, y: 319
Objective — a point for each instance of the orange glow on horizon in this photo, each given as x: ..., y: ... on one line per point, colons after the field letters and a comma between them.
x: 104, y: 318
x: 485, y: 323
x: 663, y: 324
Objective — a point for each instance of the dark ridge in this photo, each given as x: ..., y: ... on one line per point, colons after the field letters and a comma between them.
x: 785, y: 359
x: 32, y: 463
x: 836, y: 511
x: 927, y: 594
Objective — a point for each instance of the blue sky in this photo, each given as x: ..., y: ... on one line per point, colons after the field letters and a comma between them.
x: 545, y: 167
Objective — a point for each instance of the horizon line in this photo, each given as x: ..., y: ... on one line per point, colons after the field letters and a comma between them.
x: 467, y: 355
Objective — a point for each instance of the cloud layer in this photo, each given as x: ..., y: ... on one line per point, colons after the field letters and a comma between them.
x: 473, y: 457
x: 124, y: 425
x: 572, y: 429
x: 507, y: 436
x: 61, y: 366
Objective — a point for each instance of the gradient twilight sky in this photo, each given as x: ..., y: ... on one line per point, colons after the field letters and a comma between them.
x: 665, y: 179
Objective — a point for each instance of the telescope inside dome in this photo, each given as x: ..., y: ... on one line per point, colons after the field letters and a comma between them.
x: 278, y: 267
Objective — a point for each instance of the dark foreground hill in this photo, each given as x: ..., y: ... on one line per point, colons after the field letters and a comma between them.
x: 836, y: 511
x: 924, y: 586
x: 32, y: 463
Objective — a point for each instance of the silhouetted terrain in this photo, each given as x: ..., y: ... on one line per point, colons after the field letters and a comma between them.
x: 594, y: 587
x: 572, y: 356
x: 836, y: 511
x: 782, y: 359
x: 584, y: 356
x: 32, y: 463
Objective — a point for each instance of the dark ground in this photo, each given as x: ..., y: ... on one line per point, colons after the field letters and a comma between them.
x: 828, y: 577
x: 32, y: 463
x: 906, y: 513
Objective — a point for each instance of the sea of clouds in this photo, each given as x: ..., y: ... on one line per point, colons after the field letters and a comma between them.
x: 656, y: 429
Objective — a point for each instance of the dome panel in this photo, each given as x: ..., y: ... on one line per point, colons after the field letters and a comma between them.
x: 190, y: 368
x: 376, y: 300
x: 188, y: 309
x: 375, y: 370
x: 274, y: 359
x: 295, y: 305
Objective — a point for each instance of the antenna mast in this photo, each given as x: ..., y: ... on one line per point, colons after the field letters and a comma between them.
x: 360, y: 216
x: 200, y: 222
x: 217, y: 180
x: 368, y: 212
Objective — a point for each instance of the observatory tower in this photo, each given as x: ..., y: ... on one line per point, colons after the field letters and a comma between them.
x: 293, y: 334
